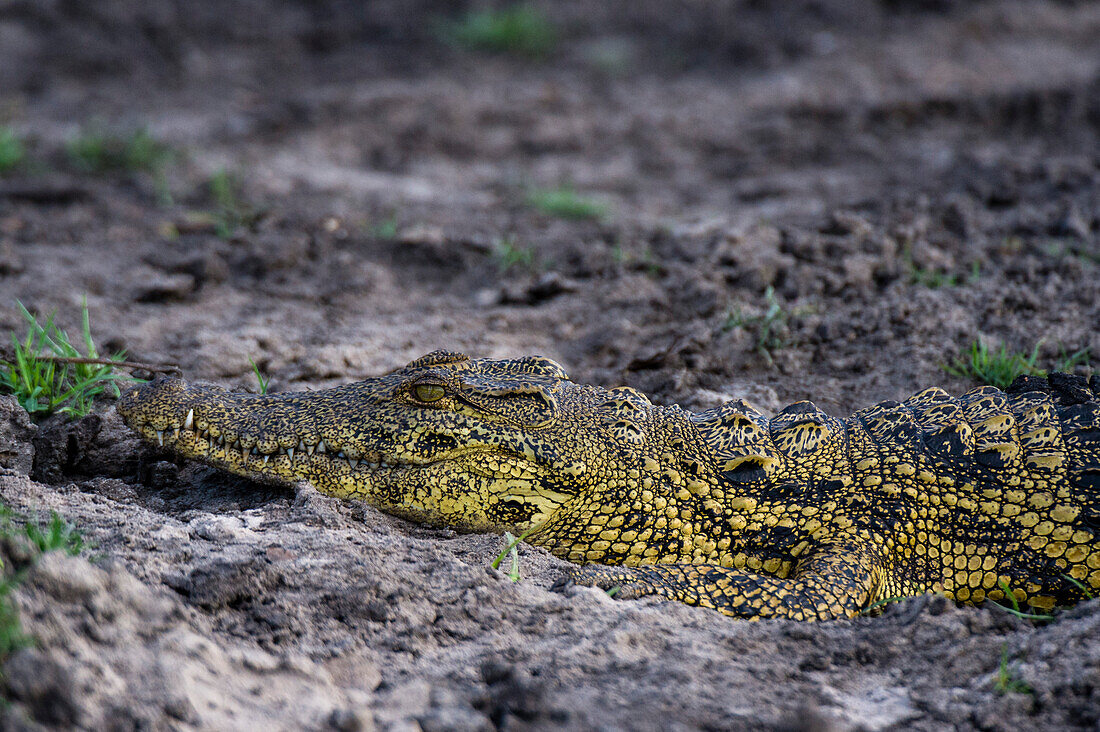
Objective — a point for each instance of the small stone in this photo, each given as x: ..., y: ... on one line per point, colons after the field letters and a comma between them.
x: 445, y: 718
x: 279, y: 554
x: 180, y: 708
x: 255, y: 659
x: 859, y: 269
x: 351, y: 720
x: 815, y: 661
x: 220, y: 529
x: 16, y: 437
x: 547, y: 286
x: 11, y: 262
x: 159, y: 287
x: 68, y: 579
x: 407, y: 701
x: 1072, y: 224
x: 299, y: 663
x: 957, y: 220
x: 422, y: 234
x: 487, y: 297
x: 170, y: 533
x: 763, y: 398
x: 223, y: 584
x: 112, y: 488
x: 843, y: 223
x: 45, y: 686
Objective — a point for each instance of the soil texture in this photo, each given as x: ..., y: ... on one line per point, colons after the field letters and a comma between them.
x: 808, y: 200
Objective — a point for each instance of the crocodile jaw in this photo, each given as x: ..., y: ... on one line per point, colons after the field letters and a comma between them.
x: 303, y: 437
x: 242, y: 456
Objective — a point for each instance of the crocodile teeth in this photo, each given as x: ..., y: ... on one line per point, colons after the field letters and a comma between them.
x: 244, y: 454
x: 321, y: 446
x: 266, y: 458
x: 341, y: 454
x: 175, y: 433
x: 160, y: 437
x: 301, y: 445
x: 310, y: 449
x: 290, y: 453
x: 189, y: 421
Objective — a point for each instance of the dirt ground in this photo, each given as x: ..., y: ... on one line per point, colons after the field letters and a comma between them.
x: 906, y: 178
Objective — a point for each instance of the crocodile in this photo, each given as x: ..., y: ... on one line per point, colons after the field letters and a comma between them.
x: 801, y: 515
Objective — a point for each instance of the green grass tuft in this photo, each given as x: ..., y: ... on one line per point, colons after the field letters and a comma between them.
x: 518, y: 30
x: 644, y: 259
x: 875, y: 606
x: 1015, y: 609
x: 1000, y: 367
x: 385, y: 229
x: 231, y: 211
x: 935, y: 279
x: 259, y: 377
x: 56, y: 535
x: 42, y: 386
x: 771, y: 330
x: 1079, y: 585
x: 1070, y: 361
x: 510, y: 548
x: 1007, y: 680
x: 225, y: 189
x: 12, y: 637
x: 12, y: 151
x: 565, y: 203
x: 95, y: 151
x: 510, y: 254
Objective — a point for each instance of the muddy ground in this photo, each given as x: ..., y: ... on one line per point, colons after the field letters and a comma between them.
x: 905, y: 177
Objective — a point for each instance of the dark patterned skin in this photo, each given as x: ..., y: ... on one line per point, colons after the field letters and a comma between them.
x: 802, y: 515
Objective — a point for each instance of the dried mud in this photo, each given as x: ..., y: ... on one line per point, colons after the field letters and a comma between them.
x: 838, y: 153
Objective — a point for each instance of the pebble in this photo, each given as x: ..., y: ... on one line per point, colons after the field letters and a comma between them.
x: 221, y: 529
x: 66, y: 578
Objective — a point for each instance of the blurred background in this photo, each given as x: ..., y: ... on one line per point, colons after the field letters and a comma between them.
x: 701, y: 199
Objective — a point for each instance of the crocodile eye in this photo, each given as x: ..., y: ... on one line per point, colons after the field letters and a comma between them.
x: 428, y: 392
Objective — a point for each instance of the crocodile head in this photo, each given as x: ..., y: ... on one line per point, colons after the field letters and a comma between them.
x: 473, y: 444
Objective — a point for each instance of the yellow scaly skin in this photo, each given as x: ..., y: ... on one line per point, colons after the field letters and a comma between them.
x: 802, y: 515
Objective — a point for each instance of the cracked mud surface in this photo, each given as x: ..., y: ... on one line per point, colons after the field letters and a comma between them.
x: 843, y: 154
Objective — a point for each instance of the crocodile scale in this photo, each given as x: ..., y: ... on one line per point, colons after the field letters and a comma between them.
x: 801, y: 515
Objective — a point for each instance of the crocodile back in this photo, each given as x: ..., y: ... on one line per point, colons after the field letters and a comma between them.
x: 967, y: 496
x: 1001, y: 489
